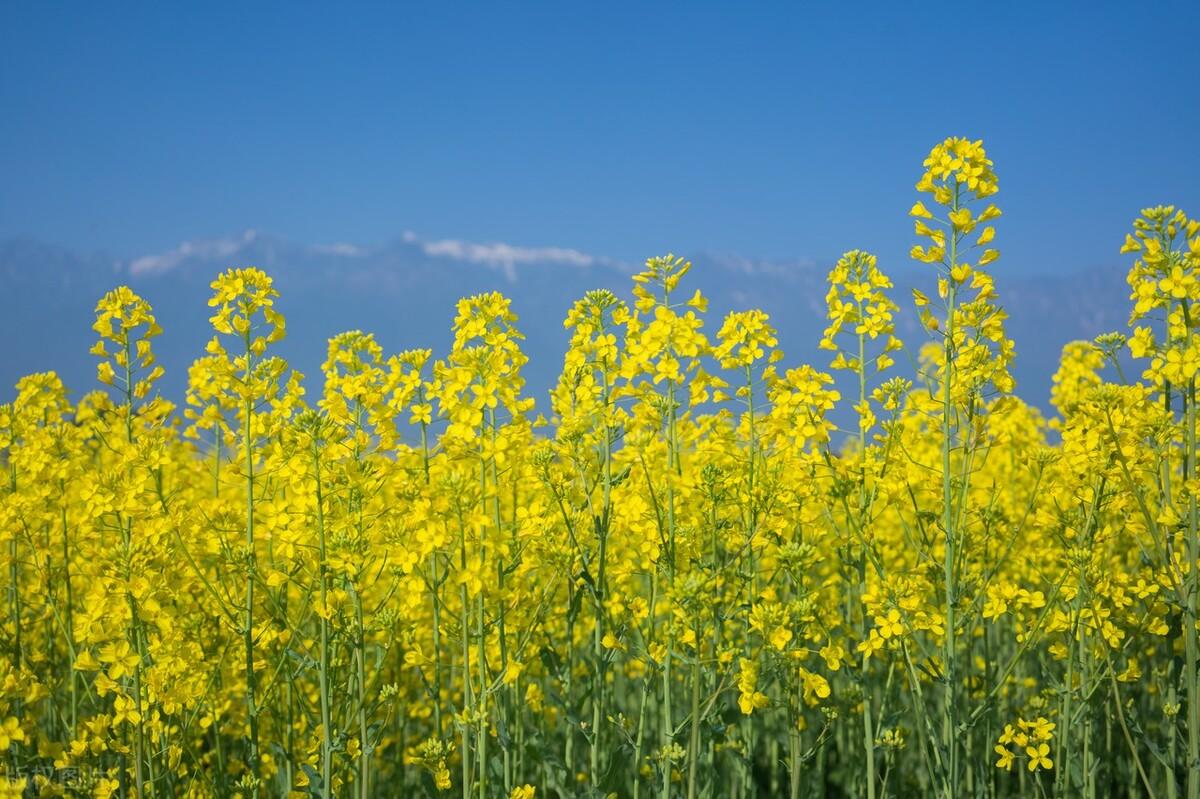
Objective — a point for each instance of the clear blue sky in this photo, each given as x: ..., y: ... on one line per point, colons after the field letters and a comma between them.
x: 770, y: 130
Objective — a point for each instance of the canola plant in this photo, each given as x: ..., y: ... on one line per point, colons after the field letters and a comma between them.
x: 677, y: 579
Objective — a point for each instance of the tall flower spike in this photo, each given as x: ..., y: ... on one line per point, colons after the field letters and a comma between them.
x: 238, y: 295
x: 860, y: 313
x: 958, y: 177
x: 126, y: 326
x: 957, y: 174
x: 662, y: 343
x: 859, y: 306
x: 1165, y: 283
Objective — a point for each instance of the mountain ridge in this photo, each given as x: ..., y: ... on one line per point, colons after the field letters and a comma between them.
x: 404, y: 290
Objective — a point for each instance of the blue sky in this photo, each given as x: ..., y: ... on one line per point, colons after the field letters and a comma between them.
x: 620, y: 129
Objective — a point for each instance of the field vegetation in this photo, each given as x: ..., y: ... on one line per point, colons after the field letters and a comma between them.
x: 676, y: 578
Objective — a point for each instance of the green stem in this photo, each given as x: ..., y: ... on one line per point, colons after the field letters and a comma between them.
x: 323, y: 583
x: 468, y: 693
x: 667, y: 720
x: 794, y: 753
x: 1190, y: 617
x: 694, y: 732
x: 949, y: 704
x: 252, y: 757
x: 868, y: 727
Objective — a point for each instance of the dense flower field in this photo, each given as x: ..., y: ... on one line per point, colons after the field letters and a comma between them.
x: 677, y: 579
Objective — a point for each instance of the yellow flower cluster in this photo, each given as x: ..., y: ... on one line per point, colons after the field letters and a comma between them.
x: 860, y: 310
x: 1031, y: 739
x: 1164, y: 284
x: 125, y: 323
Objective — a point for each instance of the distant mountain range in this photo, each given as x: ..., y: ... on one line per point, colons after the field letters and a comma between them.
x: 405, y: 291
